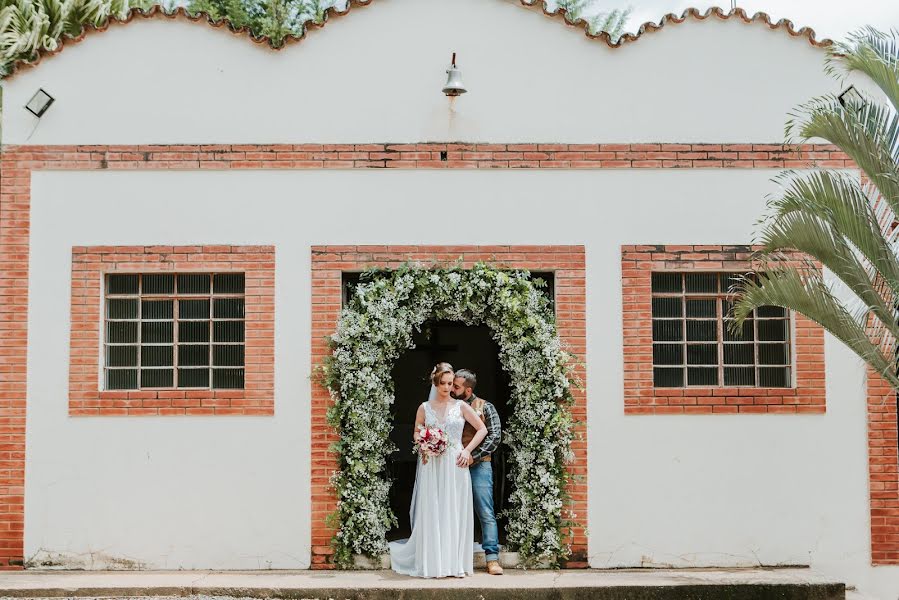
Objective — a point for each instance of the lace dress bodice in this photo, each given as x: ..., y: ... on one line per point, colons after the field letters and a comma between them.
x: 453, y: 425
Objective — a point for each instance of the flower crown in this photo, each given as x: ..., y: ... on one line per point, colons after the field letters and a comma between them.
x: 434, y: 370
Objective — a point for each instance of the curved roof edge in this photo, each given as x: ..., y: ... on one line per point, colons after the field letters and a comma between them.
x: 648, y: 27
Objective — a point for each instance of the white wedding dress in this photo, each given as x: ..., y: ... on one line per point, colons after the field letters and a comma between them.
x: 442, y: 513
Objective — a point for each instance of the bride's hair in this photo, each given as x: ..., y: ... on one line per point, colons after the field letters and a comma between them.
x: 439, y: 370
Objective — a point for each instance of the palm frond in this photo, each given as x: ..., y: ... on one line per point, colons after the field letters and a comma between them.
x: 806, y: 292
x: 814, y: 237
x: 868, y: 138
x: 873, y: 53
x: 846, y: 224
x: 851, y: 210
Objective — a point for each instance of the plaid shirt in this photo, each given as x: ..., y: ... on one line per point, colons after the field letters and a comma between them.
x: 494, y: 432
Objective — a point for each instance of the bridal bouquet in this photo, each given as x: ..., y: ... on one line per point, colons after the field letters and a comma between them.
x: 432, y: 441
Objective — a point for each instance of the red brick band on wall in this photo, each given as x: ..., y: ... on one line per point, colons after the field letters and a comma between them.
x: 641, y: 397
x: 328, y: 264
x: 91, y: 263
x: 18, y: 162
x: 430, y: 156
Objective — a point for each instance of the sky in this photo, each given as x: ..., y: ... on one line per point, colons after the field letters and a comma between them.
x: 829, y: 18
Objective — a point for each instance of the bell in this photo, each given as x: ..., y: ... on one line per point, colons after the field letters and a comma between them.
x: 454, y: 85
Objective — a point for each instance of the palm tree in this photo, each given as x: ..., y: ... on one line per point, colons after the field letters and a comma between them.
x: 848, y: 225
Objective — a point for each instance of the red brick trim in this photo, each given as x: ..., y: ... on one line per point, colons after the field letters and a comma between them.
x: 417, y: 156
x: 883, y: 471
x: 18, y: 162
x: 328, y: 262
x: 640, y: 397
x: 91, y: 263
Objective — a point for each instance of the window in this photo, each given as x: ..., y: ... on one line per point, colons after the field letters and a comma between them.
x: 176, y: 331
x: 692, y: 342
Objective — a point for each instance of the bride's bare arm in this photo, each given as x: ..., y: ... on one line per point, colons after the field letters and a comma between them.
x: 480, y: 428
x: 419, y: 422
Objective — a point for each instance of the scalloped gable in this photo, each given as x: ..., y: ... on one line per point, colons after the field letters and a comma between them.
x: 648, y: 27
x: 375, y: 76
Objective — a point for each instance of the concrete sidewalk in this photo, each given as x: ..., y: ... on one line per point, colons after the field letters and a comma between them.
x: 680, y: 584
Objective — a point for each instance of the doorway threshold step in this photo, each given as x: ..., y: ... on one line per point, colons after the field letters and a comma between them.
x: 592, y: 584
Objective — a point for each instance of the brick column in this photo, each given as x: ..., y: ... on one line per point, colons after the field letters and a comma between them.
x: 15, y: 217
x: 883, y: 471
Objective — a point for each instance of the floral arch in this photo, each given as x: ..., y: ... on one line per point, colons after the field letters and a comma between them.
x: 376, y: 326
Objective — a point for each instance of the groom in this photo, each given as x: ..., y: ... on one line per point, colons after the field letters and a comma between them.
x: 481, y: 466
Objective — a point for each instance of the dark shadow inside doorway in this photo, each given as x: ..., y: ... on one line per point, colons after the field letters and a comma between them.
x: 463, y: 346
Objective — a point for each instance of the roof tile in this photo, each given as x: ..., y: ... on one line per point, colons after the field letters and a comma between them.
x: 648, y: 27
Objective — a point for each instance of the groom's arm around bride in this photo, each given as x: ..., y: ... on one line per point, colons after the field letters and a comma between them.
x: 463, y: 389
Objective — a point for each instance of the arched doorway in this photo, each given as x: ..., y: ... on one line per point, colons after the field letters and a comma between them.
x: 350, y: 505
x: 464, y: 346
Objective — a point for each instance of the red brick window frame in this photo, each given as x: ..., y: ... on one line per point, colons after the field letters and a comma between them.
x: 91, y: 265
x: 638, y: 263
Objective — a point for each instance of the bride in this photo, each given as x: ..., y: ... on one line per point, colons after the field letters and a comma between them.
x: 441, y: 512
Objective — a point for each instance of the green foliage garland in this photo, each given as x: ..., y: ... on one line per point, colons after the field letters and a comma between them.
x: 377, y: 326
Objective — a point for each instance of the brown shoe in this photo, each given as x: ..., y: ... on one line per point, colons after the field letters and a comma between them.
x: 493, y: 568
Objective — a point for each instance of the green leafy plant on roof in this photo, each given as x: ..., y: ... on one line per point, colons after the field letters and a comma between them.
x: 272, y: 19
x: 29, y: 26
x: 612, y: 21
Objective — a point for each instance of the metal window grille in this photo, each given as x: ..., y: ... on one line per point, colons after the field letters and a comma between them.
x: 692, y: 344
x: 174, y: 331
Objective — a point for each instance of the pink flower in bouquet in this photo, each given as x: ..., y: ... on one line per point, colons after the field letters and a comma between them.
x: 432, y: 441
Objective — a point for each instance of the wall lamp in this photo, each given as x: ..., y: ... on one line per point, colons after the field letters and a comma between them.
x: 39, y: 103
x: 851, y: 99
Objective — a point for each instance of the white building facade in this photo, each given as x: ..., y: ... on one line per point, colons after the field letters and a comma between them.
x: 175, y: 148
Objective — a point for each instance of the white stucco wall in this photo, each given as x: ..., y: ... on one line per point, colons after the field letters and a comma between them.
x: 233, y: 492
x: 375, y: 75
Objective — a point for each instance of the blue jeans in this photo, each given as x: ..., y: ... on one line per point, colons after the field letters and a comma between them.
x: 482, y: 490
